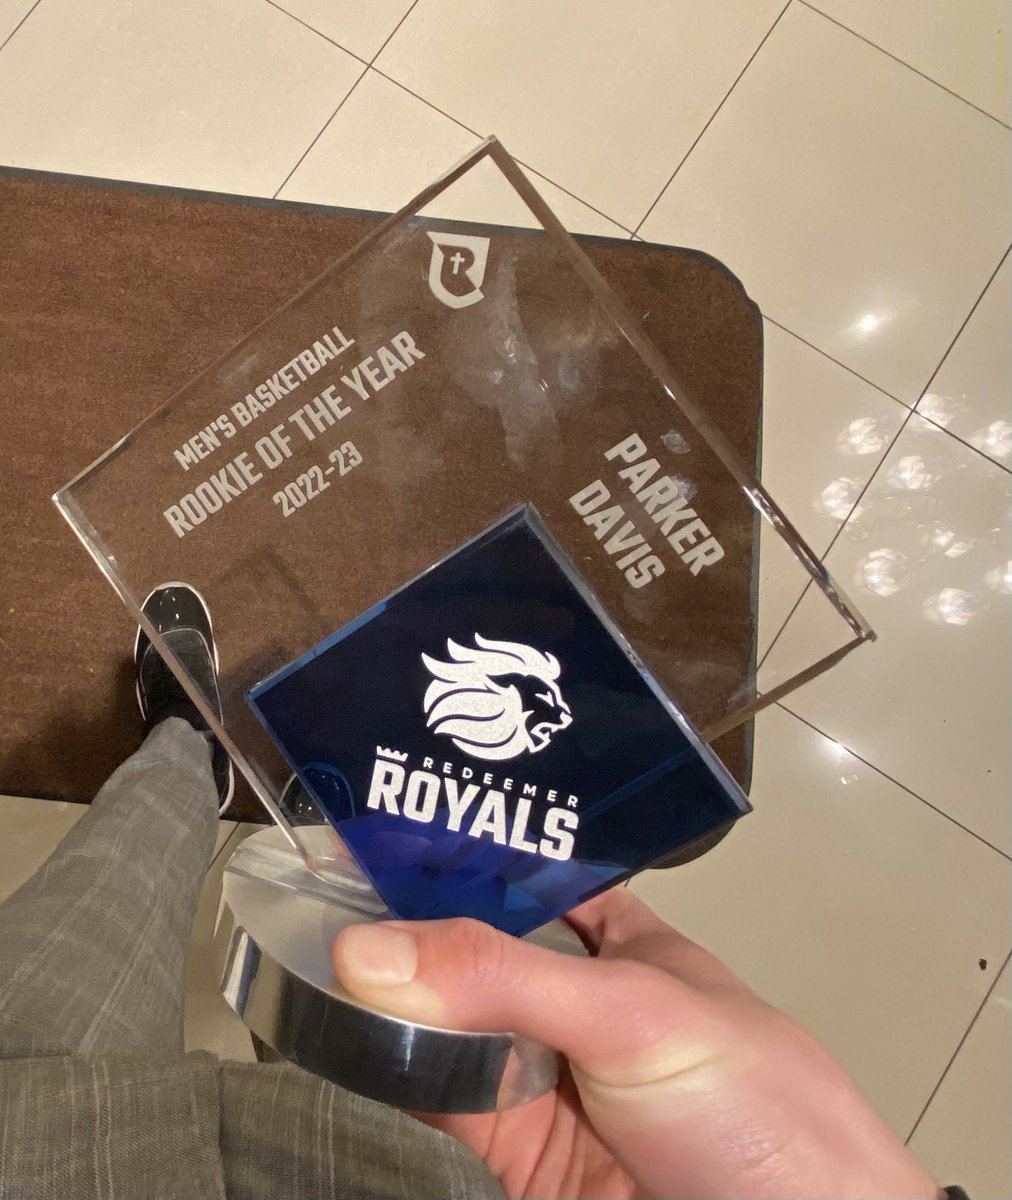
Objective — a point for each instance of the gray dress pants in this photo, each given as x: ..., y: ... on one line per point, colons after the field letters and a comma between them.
x: 97, y: 1097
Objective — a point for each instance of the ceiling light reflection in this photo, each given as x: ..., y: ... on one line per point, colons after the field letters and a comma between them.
x: 911, y: 472
x: 952, y: 606
x: 948, y: 541
x: 939, y: 409
x: 995, y: 440
x: 865, y: 435
x: 999, y: 579
x: 838, y: 498
x: 883, y: 571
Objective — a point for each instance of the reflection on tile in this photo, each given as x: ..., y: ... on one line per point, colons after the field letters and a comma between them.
x: 824, y: 433
x: 209, y: 1023
x: 224, y: 96
x: 398, y: 145
x: 360, y: 28
x: 964, y: 1135
x: 964, y: 47
x: 927, y: 561
x: 12, y: 12
x: 863, y: 207
x: 970, y: 395
x: 603, y: 98
x: 225, y: 829
x: 826, y: 899
x: 30, y: 831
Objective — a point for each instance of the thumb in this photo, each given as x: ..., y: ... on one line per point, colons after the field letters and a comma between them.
x: 620, y: 1022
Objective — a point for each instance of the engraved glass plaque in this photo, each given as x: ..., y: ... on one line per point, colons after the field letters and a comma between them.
x: 463, y: 534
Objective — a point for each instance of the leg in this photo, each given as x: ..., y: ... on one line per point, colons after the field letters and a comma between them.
x: 91, y: 947
x: 287, y: 1133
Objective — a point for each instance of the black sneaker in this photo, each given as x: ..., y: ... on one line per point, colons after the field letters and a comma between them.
x: 181, y: 616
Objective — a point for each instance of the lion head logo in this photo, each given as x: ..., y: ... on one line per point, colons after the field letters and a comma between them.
x: 496, y: 700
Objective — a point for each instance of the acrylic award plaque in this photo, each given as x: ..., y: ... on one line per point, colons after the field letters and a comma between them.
x: 470, y: 549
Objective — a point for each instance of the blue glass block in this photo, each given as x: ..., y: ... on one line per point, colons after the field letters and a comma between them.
x: 486, y: 744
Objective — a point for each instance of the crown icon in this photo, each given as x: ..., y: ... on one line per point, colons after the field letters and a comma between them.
x: 393, y: 755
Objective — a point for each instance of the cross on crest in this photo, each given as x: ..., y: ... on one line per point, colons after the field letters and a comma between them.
x: 467, y: 249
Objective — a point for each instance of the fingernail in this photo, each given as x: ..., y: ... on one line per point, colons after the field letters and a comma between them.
x: 379, y: 954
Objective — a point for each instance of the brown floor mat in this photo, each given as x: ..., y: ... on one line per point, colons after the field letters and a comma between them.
x: 111, y: 297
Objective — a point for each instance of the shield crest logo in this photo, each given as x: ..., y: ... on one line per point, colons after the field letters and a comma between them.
x: 457, y: 268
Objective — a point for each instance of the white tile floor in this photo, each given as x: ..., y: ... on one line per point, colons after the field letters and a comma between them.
x: 849, y: 160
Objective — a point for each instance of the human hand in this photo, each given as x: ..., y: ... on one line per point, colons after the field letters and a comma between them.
x: 681, y: 1081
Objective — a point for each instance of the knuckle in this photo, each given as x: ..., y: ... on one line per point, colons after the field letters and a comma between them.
x: 479, y: 951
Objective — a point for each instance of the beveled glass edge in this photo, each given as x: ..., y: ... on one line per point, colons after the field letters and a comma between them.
x: 764, y: 699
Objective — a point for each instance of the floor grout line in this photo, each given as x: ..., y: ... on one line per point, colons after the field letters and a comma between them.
x: 963, y: 442
x: 903, y: 63
x: 227, y: 842
x: 955, y: 1053
x: 713, y: 115
x: 889, y: 449
x: 20, y: 23
x: 924, y: 391
x: 892, y: 779
x: 386, y: 41
x: 428, y: 103
x: 474, y: 133
x: 370, y: 66
x: 322, y: 131
x: 965, y: 322
x: 934, y: 374
x: 344, y: 101
x: 319, y: 33
x: 825, y: 354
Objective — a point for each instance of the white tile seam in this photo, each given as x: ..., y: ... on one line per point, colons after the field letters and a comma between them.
x: 318, y: 32
x: 365, y: 63
x: 19, y: 24
x: 924, y: 390
x: 878, y: 387
x: 959, y: 1046
x: 907, y: 408
x: 825, y: 354
x: 428, y: 103
x: 899, y: 433
x: 369, y: 65
x: 390, y: 36
x: 225, y: 844
x: 934, y: 374
x: 964, y: 443
x: 480, y: 136
x: 320, y: 132
x: 903, y: 63
x: 713, y: 115
x: 784, y: 704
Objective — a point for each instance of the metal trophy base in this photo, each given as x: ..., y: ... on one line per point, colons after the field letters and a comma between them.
x: 276, y: 926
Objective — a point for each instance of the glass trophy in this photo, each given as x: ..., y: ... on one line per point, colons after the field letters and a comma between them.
x: 482, y: 570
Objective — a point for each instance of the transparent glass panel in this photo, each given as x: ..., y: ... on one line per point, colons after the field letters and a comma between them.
x: 442, y: 375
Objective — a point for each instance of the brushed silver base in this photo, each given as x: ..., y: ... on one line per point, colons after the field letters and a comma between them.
x: 276, y: 926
